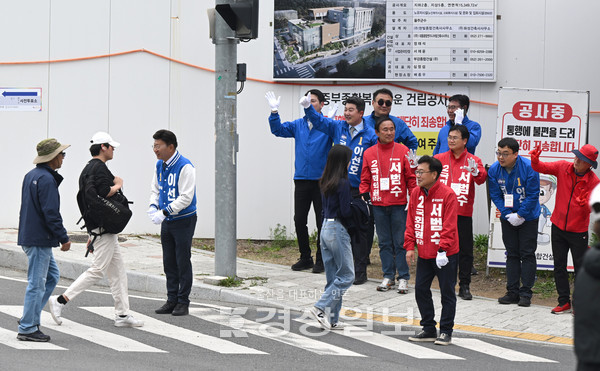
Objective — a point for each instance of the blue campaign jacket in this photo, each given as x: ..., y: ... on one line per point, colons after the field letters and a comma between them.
x: 339, y: 131
x: 474, y: 128
x: 403, y: 134
x: 526, y: 189
x: 40, y: 223
x: 311, y: 146
x: 168, y: 187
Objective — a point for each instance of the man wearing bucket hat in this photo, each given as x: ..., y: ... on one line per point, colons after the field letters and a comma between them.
x: 40, y: 229
x: 107, y: 261
x: 571, y: 216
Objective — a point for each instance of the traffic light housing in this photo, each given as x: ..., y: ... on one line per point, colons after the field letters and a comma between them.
x: 242, y: 17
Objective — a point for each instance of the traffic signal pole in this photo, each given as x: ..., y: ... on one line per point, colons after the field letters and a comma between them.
x: 226, y: 140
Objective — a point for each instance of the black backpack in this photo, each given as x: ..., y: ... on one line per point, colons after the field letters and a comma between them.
x: 110, y: 214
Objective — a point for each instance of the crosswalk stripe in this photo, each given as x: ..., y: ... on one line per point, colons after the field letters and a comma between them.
x: 271, y: 332
x: 387, y: 342
x: 497, y: 351
x: 198, y: 339
x: 9, y: 338
x: 94, y: 335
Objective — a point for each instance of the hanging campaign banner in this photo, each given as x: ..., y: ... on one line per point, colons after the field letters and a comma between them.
x: 424, y: 114
x: 555, y: 120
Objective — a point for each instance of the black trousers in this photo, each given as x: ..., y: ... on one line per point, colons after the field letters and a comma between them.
x: 426, y: 271
x: 305, y: 193
x: 562, y: 242
x: 465, y: 255
x: 361, y: 249
x: 520, y: 243
x: 176, y: 239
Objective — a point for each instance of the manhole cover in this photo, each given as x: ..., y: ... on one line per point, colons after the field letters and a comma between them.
x: 82, y: 238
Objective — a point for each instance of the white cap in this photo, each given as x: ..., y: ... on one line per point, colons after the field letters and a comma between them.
x: 595, y: 204
x: 102, y: 137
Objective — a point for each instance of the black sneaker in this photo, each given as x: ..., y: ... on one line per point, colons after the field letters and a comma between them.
x: 303, y: 264
x: 318, y: 267
x: 509, y: 298
x: 424, y: 336
x: 167, y: 308
x: 465, y: 292
x: 443, y: 339
x: 524, y: 302
x: 34, y: 336
x: 360, y: 279
x: 180, y: 310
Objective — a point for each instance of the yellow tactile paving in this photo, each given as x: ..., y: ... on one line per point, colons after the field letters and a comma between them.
x: 469, y: 328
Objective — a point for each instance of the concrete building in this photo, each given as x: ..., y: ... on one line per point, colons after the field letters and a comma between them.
x: 321, y: 13
x: 307, y: 35
x: 355, y: 23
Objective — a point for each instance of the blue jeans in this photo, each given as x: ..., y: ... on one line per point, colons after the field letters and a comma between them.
x: 42, y: 277
x: 390, y: 223
x: 339, y: 267
x: 426, y: 270
x: 176, y: 239
x: 520, y: 243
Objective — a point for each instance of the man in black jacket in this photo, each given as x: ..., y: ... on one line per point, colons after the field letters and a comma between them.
x: 108, y: 260
x: 585, y: 299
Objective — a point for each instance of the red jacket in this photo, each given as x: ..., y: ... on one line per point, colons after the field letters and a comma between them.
x: 571, y: 209
x: 387, y: 161
x: 431, y: 221
x: 461, y: 180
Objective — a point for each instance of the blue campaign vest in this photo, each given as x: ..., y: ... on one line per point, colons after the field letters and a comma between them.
x: 168, y: 187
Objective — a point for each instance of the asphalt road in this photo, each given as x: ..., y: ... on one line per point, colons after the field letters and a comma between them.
x: 220, y: 336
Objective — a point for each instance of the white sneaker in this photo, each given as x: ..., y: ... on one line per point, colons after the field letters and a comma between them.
x: 320, y: 316
x: 386, y: 284
x: 128, y: 321
x: 402, y: 286
x: 55, y: 309
x: 338, y: 326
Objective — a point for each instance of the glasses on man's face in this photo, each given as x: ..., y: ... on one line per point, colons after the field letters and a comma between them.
x: 381, y: 102
x: 453, y: 107
x: 64, y: 154
x: 503, y: 154
x: 421, y: 172
x: 452, y: 138
x: 156, y: 146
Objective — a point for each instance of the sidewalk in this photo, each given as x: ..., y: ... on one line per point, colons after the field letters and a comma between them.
x: 278, y: 286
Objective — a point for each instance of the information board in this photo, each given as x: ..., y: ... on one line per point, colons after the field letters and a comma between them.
x: 406, y: 40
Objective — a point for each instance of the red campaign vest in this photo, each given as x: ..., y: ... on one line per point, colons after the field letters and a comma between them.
x: 379, y: 162
x: 431, y: 223
x: 461, y: 180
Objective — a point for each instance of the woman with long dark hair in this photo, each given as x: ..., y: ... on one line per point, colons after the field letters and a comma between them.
x: 335, y: 240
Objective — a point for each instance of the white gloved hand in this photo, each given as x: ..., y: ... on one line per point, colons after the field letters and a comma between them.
x: 305, y: 101
x: 332, y: 110
x: 459, y: 116
x: 412, y: 158
x: 441, y: 259
x: 520, y: 220
x: 513, y: 219
x: 158, y: 217
x: 471, y: 167
x: 273, y: 102
x: 151, y: 210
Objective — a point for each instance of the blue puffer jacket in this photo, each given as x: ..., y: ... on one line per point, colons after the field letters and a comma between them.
x: 523, y: 182
x: 40, y: 223
x: 474, y: 129
x: 339, y: 131
x: 403, y: 134
x: 312, y: 146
